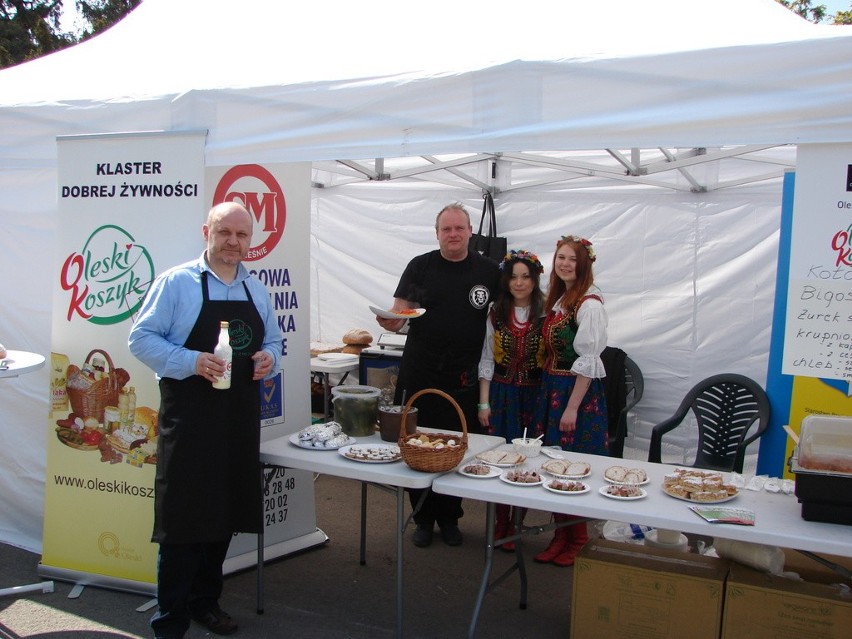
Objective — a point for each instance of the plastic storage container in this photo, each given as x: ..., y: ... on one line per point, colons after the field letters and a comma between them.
x: 822, y: 464
x: 356, y: 409
x: 825, y: 443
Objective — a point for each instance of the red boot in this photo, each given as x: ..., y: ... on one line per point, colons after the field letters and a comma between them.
x: 503, y: 524
x: 578, y: 535
x: 557, y: 544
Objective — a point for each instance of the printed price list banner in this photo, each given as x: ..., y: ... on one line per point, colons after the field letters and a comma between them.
x: 818, y: 335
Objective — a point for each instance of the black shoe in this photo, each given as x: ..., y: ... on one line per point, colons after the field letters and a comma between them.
x: 422, y: 536
x: 451, y: 535
x: 216, y: 621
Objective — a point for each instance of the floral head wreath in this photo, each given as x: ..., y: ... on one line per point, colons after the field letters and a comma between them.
x: 583, y: 241
x: 524, y: 256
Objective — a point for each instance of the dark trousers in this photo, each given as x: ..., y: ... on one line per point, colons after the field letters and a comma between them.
x: 443, y: 509
x: 189, y: 580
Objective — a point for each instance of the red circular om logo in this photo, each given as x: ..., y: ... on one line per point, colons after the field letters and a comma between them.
x: 256, y: 189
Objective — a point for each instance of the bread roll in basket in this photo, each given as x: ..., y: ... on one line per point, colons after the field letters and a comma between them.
x: 431, y: 459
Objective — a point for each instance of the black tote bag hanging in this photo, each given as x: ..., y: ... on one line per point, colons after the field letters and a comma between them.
x: 488, y: 244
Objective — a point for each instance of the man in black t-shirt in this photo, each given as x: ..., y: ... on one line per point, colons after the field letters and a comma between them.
x: 443, y: 347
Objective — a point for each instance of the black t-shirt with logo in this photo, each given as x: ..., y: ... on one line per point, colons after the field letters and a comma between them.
x: 444, y: 345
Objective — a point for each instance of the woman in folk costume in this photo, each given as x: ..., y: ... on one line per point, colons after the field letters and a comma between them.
x: 512, y: 355
x: 572, y: 409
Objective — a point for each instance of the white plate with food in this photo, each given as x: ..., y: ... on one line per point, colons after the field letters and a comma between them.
x: 566, y: 486
x: 567, y: 469
x: 479, y: 470
x: 501, y: 458
x: 698, y: 486
x: 711, y: 498
x: 522, y: 478
x: 403, y: 314
x: 371, y: 453
x: 623, y: 492
x: 316, y: 445
x: 626, y: 475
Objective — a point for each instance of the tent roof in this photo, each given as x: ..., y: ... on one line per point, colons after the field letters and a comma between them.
x: 168, y: 47
x: 279, y: 81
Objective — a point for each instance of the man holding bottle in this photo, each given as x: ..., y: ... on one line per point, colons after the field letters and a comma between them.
x: 207, y: 482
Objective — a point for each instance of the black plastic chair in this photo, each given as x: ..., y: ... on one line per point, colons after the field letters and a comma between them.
x: 635, y: 383
x: 725, y: 408
x: 634, y: 386
x: 623, y: 387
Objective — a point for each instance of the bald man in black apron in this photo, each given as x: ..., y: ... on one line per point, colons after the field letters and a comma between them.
x: 207, y: 483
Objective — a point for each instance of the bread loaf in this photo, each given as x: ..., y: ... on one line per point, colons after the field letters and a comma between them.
x: 616, y: 473
x: 353, y: 349
x: 146, y: 416
x: 358, y: 336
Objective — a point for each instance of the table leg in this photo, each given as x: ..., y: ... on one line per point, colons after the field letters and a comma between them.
x: 326, y: 391
x: 363, y: 558
x: 260, y: 572
x: 400, y: 527
x: 490, y: 543
x: 519, y: 556
x: 43, y: 586
x: 486, y: 574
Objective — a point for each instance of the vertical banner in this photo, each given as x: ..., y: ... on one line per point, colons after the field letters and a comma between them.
x: 279, y: 199
x: 130, y: 206
x: 810, y: 364
x: 818, y: 335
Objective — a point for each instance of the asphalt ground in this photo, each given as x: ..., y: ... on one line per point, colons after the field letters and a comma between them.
x: 325, y: 591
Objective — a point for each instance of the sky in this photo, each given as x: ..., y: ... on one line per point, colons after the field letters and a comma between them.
x: 833, y: 6
x: 69, y: 12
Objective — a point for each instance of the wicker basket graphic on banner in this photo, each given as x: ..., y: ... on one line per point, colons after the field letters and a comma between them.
x: 430, y: 459
x: 90, y: 396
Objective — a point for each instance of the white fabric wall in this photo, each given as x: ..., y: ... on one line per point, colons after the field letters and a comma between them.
x: 25, y: 319
x: 689, y: 282
x: 688, y: 279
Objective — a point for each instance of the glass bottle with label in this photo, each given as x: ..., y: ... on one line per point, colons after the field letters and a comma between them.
x: 58, y: 389
x: 122, y: 406
x: 131, y: 405
x: 223, y: 351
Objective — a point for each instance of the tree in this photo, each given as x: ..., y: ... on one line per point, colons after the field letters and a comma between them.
x: 817, y: 14
x: 843, y: 17
x: 30, y: 28
x: 102, y: 14
x: 803, y: 8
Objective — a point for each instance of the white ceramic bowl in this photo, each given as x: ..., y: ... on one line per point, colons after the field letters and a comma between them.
x: 529, y: 447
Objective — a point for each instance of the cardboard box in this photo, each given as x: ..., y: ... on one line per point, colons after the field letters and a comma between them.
x: 763, y: 606
x: 628, y: 591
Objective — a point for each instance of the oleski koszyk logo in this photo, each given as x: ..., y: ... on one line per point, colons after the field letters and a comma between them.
x: 108, y: 279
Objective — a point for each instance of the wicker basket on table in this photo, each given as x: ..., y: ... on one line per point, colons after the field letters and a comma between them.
x: 88, y: 396
x: 427, y: 459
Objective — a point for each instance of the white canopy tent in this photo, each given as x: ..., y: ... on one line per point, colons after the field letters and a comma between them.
x: 659, y: 129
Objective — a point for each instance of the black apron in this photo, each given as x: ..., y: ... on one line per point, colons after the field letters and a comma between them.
x: 208, y: 468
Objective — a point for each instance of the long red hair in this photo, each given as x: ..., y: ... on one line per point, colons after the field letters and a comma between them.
x: 556, y: 289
